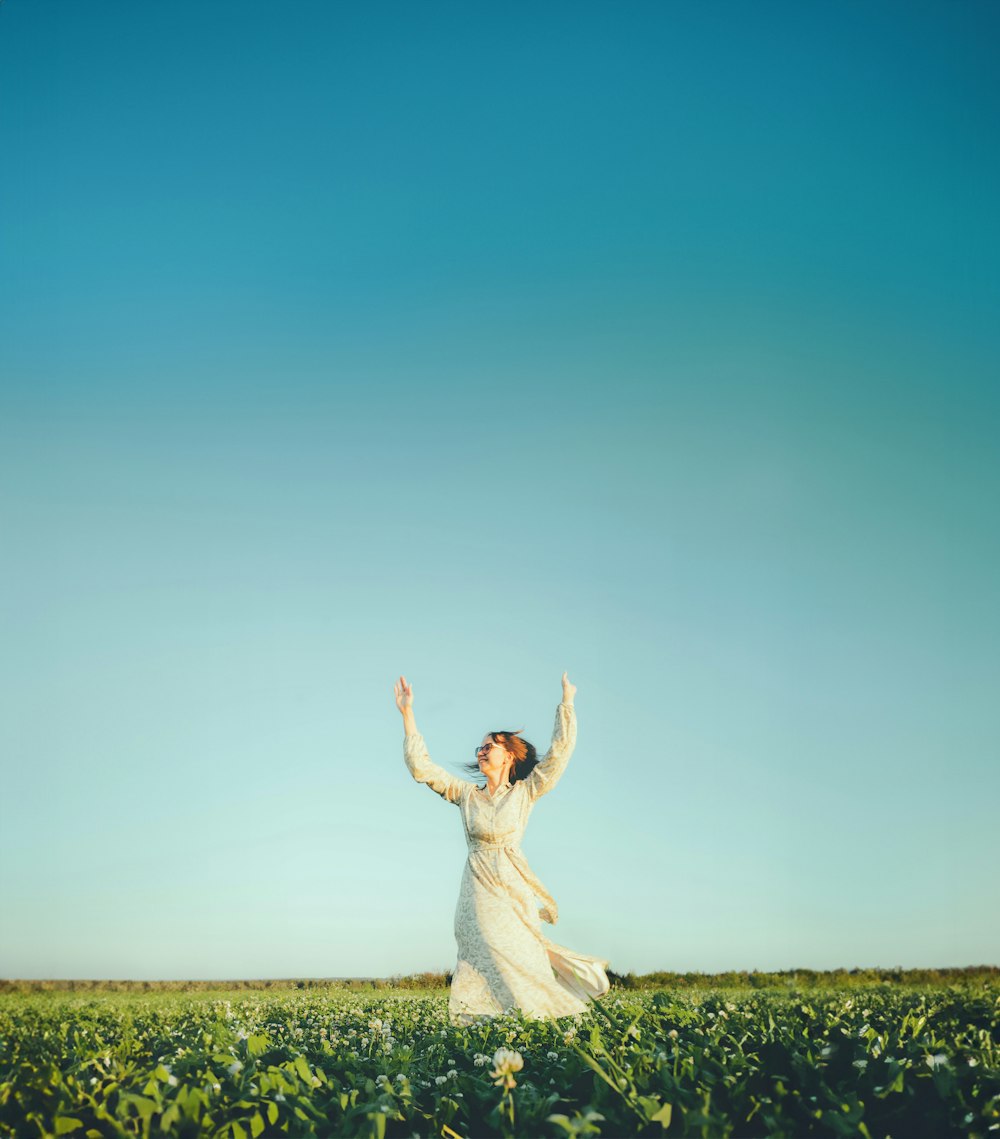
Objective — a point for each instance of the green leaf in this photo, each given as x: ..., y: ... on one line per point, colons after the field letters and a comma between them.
x: 655, y: 1111
x: 302, y: 1067
x: 896, y: 1085
x: 239, y: 1132
x: 592, y: 1063
x: 67, y: 1123
x: 256, y: 1124
x: 142, y: 1104
x: 663, y: 1116
x: 272, y: 1112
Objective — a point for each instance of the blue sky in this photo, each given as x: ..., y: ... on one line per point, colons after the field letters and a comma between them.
x: 655, y: 342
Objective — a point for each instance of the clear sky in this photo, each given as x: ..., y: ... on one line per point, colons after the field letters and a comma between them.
x: 656, y: 342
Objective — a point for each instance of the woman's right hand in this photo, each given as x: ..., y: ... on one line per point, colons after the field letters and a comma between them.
x: 404, y: 694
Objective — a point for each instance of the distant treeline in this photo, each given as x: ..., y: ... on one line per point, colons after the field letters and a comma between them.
x: 414, y: 981
x: 805, y: 978
x: 786, y: 978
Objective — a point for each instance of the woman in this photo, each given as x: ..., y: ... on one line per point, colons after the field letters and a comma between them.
x: 504, y: 959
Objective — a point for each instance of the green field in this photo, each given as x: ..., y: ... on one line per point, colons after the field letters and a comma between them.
x: 870, y: 1060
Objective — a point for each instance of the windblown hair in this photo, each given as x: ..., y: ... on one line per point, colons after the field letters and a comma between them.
x: 525, y: 756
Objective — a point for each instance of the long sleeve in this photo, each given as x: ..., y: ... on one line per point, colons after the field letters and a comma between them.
x: 424, y: 770
x: 548, y: 771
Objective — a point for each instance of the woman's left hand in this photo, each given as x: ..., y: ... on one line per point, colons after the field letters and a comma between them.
x: 569, y: 690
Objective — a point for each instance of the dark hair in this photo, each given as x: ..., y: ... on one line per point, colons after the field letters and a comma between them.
x: 525, y: 756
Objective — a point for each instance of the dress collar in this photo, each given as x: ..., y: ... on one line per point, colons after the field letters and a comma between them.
x: 501, y: 790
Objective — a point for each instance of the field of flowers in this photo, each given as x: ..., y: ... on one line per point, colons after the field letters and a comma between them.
x: 875, y: 1062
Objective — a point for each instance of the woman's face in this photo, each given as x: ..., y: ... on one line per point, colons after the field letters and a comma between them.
x: 494, y: 760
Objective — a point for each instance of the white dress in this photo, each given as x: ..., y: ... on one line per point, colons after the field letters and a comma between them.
x: 504, y: 959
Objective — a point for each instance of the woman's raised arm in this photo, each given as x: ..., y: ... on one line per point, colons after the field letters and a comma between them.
x: 404, y: 702
x: 548, y: 771
x: 421, y: 767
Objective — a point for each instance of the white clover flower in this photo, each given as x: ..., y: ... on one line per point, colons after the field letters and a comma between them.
x: 505, y: 1063
x: 825, y: 1051
x: 972, y: 1061
x: 937, y: 1060
x: 452, y: 1074
x: 479, y: 1059
x: 552, y: 1055
x: 234, y: 1067
x: 93, y: 1079
x: 672, y: 1034
x: 216, y: 1087
x: 280, y: 1097
x: 860, y: 1064
x: 440, y: 1079
x: 400, y: 1077
x: 172, y: 1081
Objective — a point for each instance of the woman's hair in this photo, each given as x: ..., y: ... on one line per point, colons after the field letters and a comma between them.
x: 525, y: 756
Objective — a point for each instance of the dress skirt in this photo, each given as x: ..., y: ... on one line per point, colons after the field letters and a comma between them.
x: 505, y: 961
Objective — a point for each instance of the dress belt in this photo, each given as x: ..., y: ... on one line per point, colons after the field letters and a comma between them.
x: 549, y: 911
